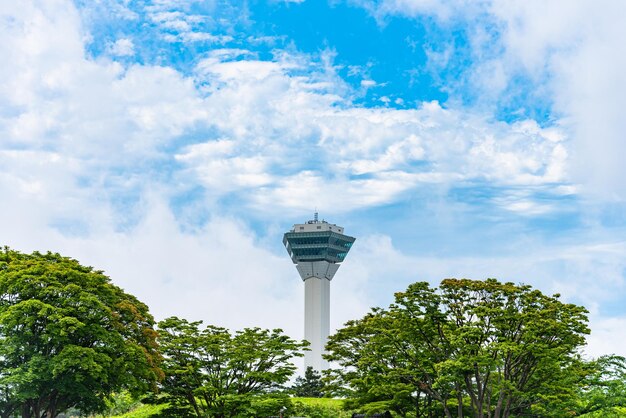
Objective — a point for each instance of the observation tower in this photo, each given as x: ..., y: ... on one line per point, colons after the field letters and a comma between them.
x: 317, y: 248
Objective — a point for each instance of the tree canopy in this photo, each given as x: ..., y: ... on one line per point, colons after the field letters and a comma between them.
x: 603, y: 389
x: 479, y: 348
x: 309, y: 386
x: 218, y: 373
x: 68, y: 337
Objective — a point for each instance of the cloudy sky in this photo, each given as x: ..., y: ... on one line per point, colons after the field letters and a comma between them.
x: 171, y: 143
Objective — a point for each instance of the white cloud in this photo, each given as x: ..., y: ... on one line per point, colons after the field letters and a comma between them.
x: 441, y: 10
x: 368, y: 83
x: 572, y: 52
x: 221, y: 169
x: 325, y: 141
x: 291, y: 131
x: 305, y: 190
x: 608, y: 335
x: 575, y: 50
x: 404, y: 151
x: 280, y: 117
x: 206, y: 37
x: 122, y: 48
x: 178, y: 24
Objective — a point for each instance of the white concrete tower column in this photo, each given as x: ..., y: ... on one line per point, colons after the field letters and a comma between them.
x: 316, y: 320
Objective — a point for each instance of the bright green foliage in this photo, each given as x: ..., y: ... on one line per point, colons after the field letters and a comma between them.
x: 310, y: 385
x: 320, y: 408
x: 469, y: 348
x: 374, y: 377
x: 219, y: 374
x: 146, y: 411
x: 261, y: 406
x: 68, y: 337
x: 604, y: 390
x: 614, y: 412
x: 269, y: 405
x: 120, y: 403
x: 332, y: 403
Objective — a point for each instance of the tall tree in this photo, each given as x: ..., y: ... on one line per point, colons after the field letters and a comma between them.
x: 479, y: 348
x: 68, y: 337
x: 217, y: 373
x: 309, y: 386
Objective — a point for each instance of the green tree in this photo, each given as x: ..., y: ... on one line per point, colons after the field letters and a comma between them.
x: 479, y: 348
x: 68, y: 337
x: 604, y: 387
x: 219, y: 374
x: 375, y: 376
x: 309, y: 386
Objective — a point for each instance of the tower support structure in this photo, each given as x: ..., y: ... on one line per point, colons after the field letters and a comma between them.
x: 317, y: 248
x: 316, y: 320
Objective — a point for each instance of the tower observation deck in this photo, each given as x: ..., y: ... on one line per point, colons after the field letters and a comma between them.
x: 317, y: 248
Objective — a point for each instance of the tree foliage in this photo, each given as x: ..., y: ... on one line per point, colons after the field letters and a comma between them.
x: 220, y: 374
x: 479, y: 348
x: 309, y: 386
x: 320, y: 408
x: 604, y: 387
x: 68, y: 337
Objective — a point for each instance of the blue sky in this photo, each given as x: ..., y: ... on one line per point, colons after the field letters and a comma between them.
x: 173, y: 143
